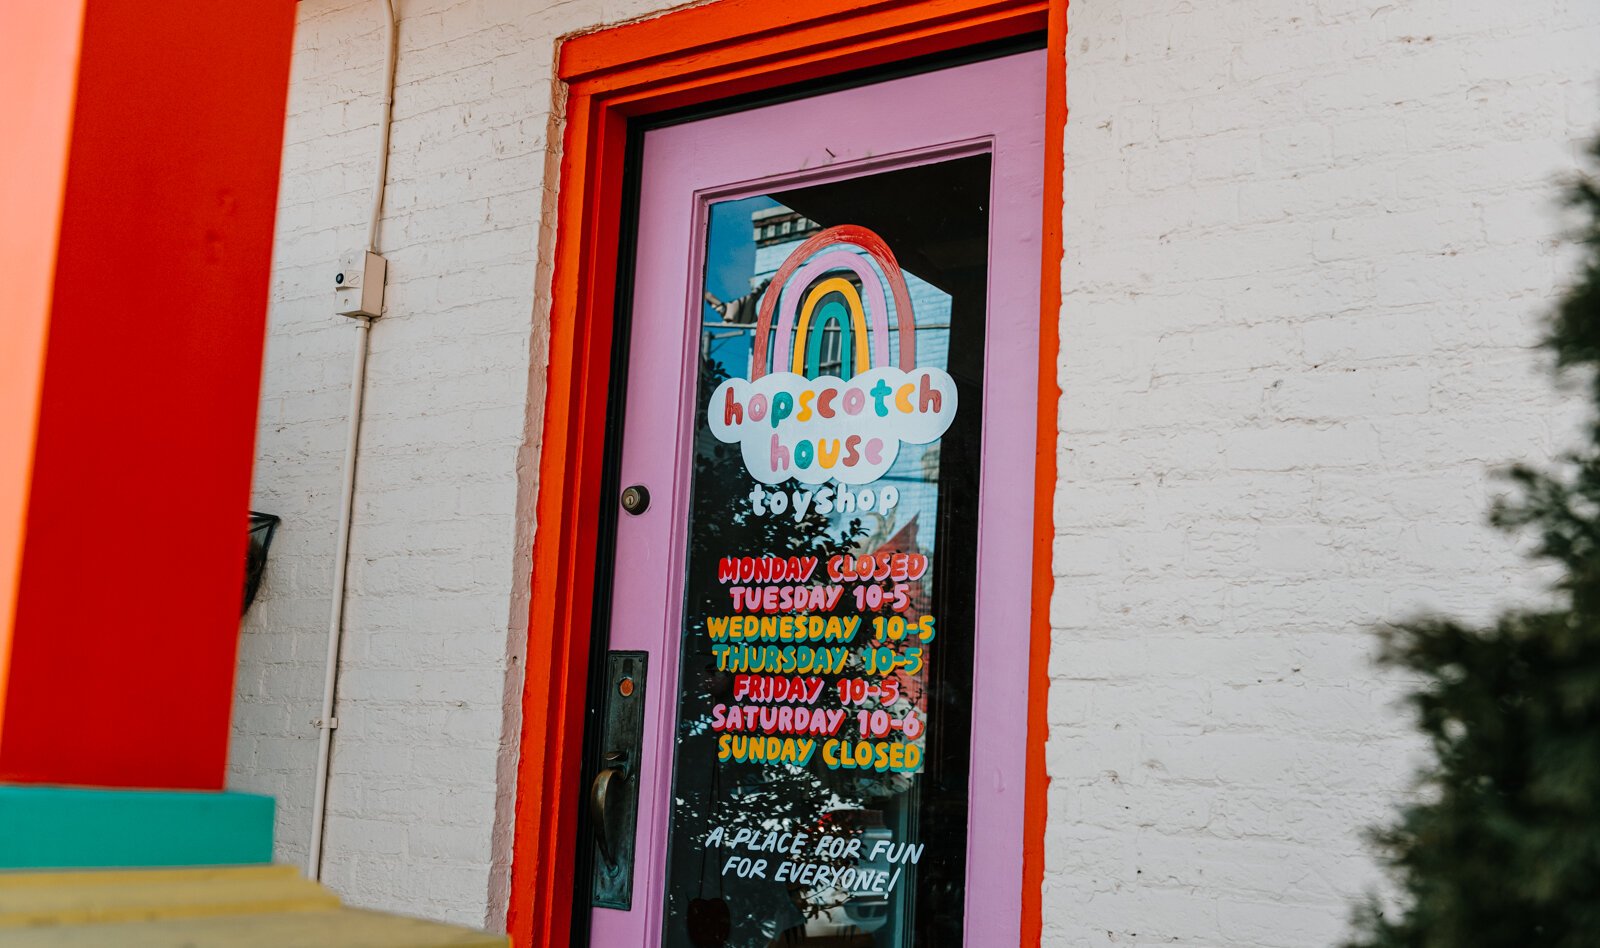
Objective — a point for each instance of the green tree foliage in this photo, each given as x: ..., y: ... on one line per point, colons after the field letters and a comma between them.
x: 1503, y: 851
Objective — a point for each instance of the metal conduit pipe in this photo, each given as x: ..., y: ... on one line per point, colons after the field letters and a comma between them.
x: 341, y: 556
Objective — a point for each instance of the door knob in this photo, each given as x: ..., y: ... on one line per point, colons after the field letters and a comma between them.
x: 636, y: 499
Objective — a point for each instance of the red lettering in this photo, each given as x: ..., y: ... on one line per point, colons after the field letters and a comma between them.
x: 916, y: 565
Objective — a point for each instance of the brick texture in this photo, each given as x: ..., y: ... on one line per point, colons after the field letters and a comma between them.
x: 1306, y: 246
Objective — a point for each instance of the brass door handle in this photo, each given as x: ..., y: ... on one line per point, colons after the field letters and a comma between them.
x: 605, y: 808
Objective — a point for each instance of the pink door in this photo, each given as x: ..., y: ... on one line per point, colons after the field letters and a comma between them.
x: 810, y: 728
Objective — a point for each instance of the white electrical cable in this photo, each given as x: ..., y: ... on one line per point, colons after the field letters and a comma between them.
x: 390, y: 52
x: 341, y: 556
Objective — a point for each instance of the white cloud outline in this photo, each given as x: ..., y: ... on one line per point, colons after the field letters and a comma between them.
x: 894, y: 429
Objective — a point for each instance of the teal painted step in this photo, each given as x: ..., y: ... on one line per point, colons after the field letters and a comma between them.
x: 78, y: 828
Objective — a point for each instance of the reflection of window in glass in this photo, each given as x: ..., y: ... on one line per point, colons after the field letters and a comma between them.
x: 831, y: 361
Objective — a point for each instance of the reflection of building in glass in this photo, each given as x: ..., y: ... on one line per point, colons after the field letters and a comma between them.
x: 781, y: 227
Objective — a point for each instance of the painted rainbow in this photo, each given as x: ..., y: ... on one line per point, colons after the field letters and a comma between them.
x: 863, y: 323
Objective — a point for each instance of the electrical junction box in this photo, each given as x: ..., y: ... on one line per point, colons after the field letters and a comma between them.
x: 358, y: 286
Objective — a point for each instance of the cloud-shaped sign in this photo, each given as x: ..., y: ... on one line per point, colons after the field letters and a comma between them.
x: 829, y: 428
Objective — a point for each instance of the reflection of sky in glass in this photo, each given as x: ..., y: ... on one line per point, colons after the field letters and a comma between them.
x: 730, y: 264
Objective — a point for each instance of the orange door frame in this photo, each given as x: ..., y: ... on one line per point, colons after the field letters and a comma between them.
x: 689, y: 57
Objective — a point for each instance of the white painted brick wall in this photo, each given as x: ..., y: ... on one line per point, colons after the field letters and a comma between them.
x: 419, y: 808
x: 1306, y: 246
x: 1306, y: 243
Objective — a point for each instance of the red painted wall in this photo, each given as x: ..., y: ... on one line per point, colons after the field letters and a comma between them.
x: 126, y: 617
